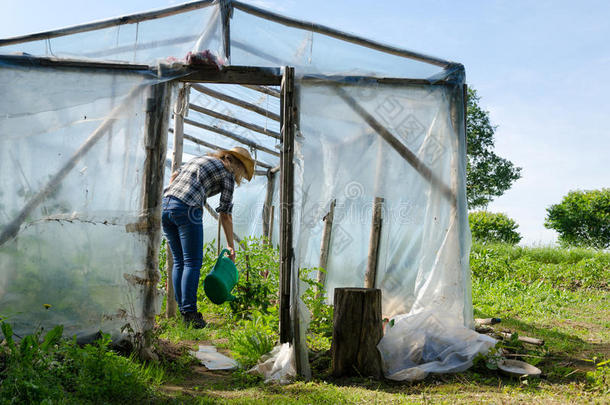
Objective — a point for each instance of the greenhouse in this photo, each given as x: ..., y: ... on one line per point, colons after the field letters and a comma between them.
x: 360, y: 169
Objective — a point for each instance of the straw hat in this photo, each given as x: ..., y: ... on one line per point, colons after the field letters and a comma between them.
x: 244, y: 157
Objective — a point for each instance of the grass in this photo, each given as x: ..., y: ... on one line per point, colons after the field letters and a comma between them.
x: 559, y: 295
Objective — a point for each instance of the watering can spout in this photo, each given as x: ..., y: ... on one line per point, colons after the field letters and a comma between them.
x: 221, y: 280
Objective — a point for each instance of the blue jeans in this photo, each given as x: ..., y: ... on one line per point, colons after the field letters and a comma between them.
x: 183, y: 230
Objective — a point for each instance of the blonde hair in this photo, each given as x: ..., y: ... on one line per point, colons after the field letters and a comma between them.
x: 232, y: 164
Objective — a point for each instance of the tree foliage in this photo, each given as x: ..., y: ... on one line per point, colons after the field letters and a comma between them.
x: 493, y: 227
x: 582, y: 218
x: 487, y: 174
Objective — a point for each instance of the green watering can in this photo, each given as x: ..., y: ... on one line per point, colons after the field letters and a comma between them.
x: 221, y: 280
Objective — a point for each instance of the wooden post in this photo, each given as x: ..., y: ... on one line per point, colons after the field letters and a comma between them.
x: 267, y: 206
x: 357, y: 329
x: 271, y: 217
x: 286, y: 201
x: 157, y: 117
x: 325, y: 245
x: 371, y: 268
x: 180, y: 109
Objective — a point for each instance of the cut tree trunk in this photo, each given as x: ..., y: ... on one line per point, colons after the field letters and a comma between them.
x: 357, y: 329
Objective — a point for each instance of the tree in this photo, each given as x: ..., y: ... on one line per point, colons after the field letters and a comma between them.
x: 582, y: 218
x: 493, y: 227
x: 487, y: 174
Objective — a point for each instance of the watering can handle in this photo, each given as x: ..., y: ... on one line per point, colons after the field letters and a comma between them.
x: 223, y: 252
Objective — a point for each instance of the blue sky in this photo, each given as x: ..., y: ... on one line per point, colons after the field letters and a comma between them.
x: 540, y: 67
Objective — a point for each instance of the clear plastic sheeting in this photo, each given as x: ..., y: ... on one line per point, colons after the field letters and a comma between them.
x: 393, y: 128
x: 429, y: 342
x: 423, y: 238
x: 72, y: 261
x: 145, y: 42
x: 278, y: 366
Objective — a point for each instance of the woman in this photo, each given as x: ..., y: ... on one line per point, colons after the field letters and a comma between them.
x: 183, y: 200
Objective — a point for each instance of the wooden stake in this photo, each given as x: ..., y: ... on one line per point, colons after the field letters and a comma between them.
x: 157, y: 118
x: 271, y: 219
x: 267, y: 205
x: 370, y: 276
x: 325, y: 245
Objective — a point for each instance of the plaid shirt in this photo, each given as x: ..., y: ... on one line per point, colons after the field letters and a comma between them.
x: 200, y: 178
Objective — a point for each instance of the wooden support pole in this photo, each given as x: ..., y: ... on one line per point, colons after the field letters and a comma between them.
x: 231, y: 135
x: 397, y: 145
x: 11, y: 229
x: 271, y: 217
x: 370, y: 276
x: 157, y: 118
x: 263, y: 89
x: 325, y: 245
x: 357, y: 329
x: 237, y: 102
x: 241, y: 123
x: 286, y: 202
x: 267, y: 205
x: 178, y: 144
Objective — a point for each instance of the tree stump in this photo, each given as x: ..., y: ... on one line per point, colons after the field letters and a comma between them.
x: 357, y: 329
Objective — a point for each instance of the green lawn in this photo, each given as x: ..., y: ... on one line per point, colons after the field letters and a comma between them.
x: 559, y: 295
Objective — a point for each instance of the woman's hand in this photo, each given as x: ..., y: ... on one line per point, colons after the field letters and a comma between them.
x: 231, y: 253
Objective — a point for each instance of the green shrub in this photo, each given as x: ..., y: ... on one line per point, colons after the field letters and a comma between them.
x: 493, y: 227
x: 582, y: 218
x: 53, y: 370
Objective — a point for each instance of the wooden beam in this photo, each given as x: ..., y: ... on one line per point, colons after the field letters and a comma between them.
x: 112, y: 22
x: 286, y: 204
x: 397, y: 145
x: 216, y: 147
x: 370, y: 276
x: 268, y: 76
x: 331, y: 32
x: 231, y: 135
x: 237, y: 102
x: 253, y: 127
x: 325, y: 245
x: 11, y: 229
x: 27, y: 60
x: 157, y: 118
x: 263, y: 89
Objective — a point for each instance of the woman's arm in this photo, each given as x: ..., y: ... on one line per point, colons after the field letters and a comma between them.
x: 227, y: 224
